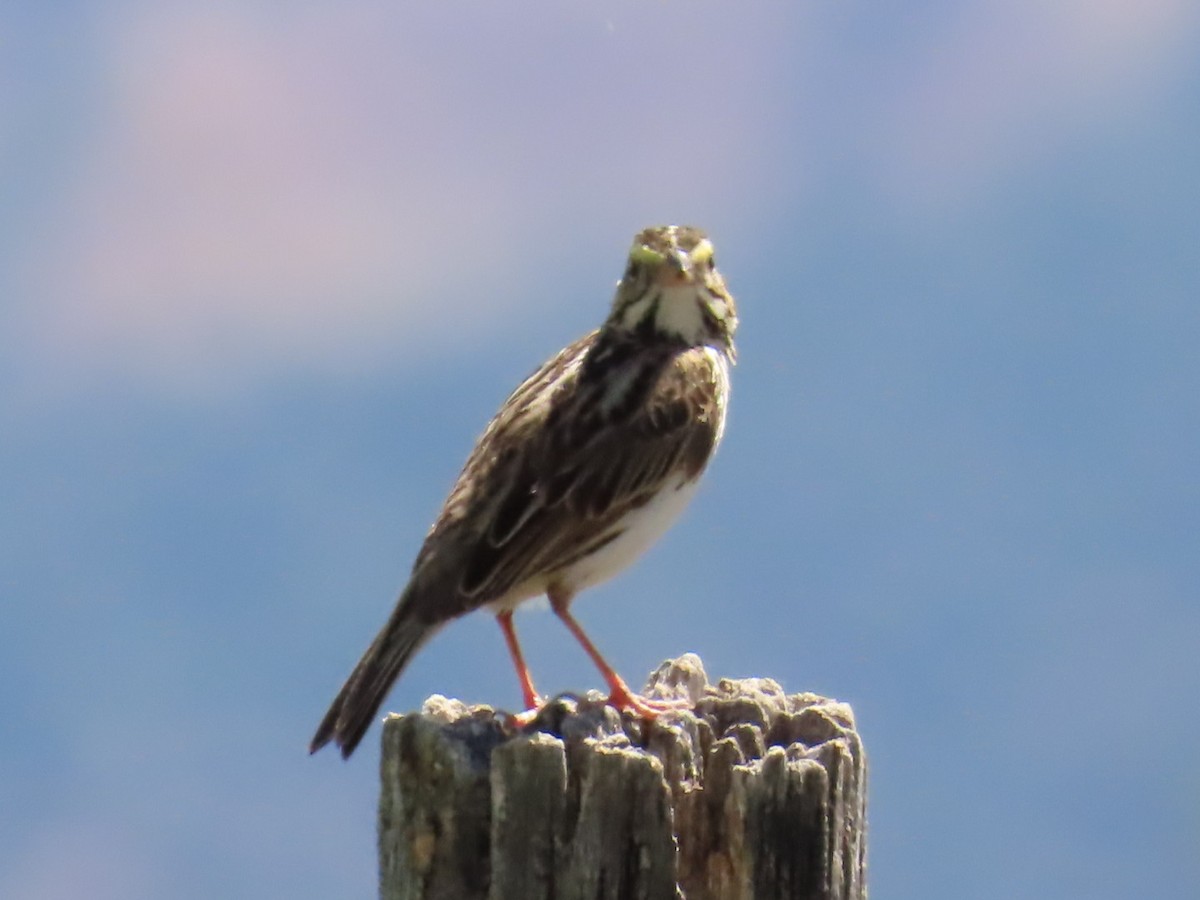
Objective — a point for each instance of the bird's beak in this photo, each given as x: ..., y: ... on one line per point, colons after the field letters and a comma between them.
x: 678, y: 268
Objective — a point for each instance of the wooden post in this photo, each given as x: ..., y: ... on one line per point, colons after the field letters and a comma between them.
x: 745, y: 794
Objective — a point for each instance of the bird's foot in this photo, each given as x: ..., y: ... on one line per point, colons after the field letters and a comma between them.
x: 520, y: 720
x: 624, y: 699
x: 533, y: 708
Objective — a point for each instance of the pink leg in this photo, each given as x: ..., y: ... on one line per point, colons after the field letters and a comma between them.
x: 620, y: 696
x: 528, y: 694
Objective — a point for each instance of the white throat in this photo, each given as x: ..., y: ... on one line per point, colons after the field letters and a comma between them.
x: 676, y: 311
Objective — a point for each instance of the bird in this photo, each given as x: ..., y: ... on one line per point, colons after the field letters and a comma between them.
x: 587, y: 463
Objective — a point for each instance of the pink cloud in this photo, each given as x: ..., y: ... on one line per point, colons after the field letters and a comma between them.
x: 263, y: 191
x: 225, y: 211
x: 333, y: 191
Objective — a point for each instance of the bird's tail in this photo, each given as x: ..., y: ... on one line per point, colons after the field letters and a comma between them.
x: 358, y: 701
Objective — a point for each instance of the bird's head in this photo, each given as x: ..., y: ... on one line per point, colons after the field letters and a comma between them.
x: 672, y: 290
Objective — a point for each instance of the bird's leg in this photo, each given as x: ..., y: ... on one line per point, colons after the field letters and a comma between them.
x: 528, y: 694
x: 620, y: 696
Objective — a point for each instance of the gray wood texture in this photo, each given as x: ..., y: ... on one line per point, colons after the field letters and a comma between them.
x: 744, y: 793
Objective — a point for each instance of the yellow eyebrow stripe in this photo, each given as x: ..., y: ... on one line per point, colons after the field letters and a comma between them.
x: 702, y: 252
x: 644, y: 255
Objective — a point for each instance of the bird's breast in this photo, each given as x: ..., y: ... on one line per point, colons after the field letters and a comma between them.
x: 635, y: 533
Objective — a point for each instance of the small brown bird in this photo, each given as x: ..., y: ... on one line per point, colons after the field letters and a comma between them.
x: 586, y: 465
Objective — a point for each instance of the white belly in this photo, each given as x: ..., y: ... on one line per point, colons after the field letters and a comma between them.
x: 640, y: 528
x: 643, y: 527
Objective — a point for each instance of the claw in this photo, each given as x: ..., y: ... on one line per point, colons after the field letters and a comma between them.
x: 624, y: 699
x: 517, y: 721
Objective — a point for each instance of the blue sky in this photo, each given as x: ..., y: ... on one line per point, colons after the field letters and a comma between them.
x: 266, y: 270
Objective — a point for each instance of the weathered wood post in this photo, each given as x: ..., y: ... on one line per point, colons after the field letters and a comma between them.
x: 750, y: 794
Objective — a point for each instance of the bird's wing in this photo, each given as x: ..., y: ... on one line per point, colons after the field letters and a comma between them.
x: 586, y: 461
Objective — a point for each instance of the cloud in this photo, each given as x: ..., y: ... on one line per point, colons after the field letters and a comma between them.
x: 228, y: 208
x: 336, y: 191
x: 260, y: 192
x: 1003, y: 84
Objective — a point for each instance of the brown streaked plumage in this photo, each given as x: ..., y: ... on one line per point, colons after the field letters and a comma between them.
x: 583, y: 467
